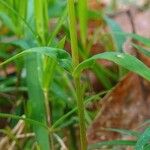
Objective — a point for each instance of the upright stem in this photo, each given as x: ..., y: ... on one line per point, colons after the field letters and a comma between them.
x: 49, y: 117
x: 75, y: 59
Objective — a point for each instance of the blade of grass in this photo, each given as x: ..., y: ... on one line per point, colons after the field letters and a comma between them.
x: 143, y: 140
x: 22, y: 11
x: 102, y: 76
x: 31, y: 121
x: 112, y: 143
x: 124, y: 131
x: 59, y: 55
x: 118, y: 38
x: 61, y: 43
x: 2, y: 2
x: 57, y: 28
x: 36, y: 101
x: 7, y: 21
x: 40, y: 19
x: 142, y: 50
x: 83, y: 12
x: 125, y: 60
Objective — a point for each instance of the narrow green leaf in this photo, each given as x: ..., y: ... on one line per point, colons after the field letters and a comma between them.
x: 123, y: 131
x: 145, y: 41
x: 31, y: 121
x: 111, y: 143
x: 147, y: 147
x: 82, y: 11
x: 142, y: 50
x: 57, y: 28
x: 61, y: 43
x: 102, y: 76
x: 119, y: 39
x: 36, y: 101
x: 3, y: 3
x: 7, y: 21
x: 143, y: 140
x: 125, y: 60
x: 41, y: 19
x: 61, y: 56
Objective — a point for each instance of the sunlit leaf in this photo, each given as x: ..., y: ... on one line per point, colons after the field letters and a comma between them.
x: 125, y: 60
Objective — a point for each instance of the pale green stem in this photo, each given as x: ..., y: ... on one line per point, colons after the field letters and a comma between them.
x: 75, y: 59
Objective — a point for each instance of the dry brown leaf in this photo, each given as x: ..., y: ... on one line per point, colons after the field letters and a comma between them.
x: 124, y: 107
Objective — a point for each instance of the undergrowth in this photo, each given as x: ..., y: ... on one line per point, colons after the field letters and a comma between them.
x: 45, y: 50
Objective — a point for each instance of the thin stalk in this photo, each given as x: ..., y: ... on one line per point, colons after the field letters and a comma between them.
x: 49, y: 117
x: 75, y: 59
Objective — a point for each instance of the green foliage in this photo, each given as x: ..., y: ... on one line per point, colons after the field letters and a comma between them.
x: 119, y: 39
x: 125, y: 60
x: 143, y: 140
x: 112, y: 143
x: 47, y: 82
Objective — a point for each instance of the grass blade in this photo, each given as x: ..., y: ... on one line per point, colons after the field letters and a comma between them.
x: 119, y: 39
x: 57, y: 28
x: 61, y: 56
x: 142, y: 50
x: 83, y: 15
x: 112, y: 143
x: 2, y: 2
x: 125, y: 60
x: 31, y: 121
x: 36, y: 101
x: 143, y: 140
x: 41, y: 19
x: 124, y: 131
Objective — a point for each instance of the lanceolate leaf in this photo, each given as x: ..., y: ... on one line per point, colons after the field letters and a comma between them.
x: 143, y: 140
x: 62, y: 57
x: 36, y: 109
x: 125, y: 60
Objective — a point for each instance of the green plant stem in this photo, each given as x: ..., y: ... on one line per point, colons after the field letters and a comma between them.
x: 75, y: 59
x: 80, y: 106
x: 49, y: 118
